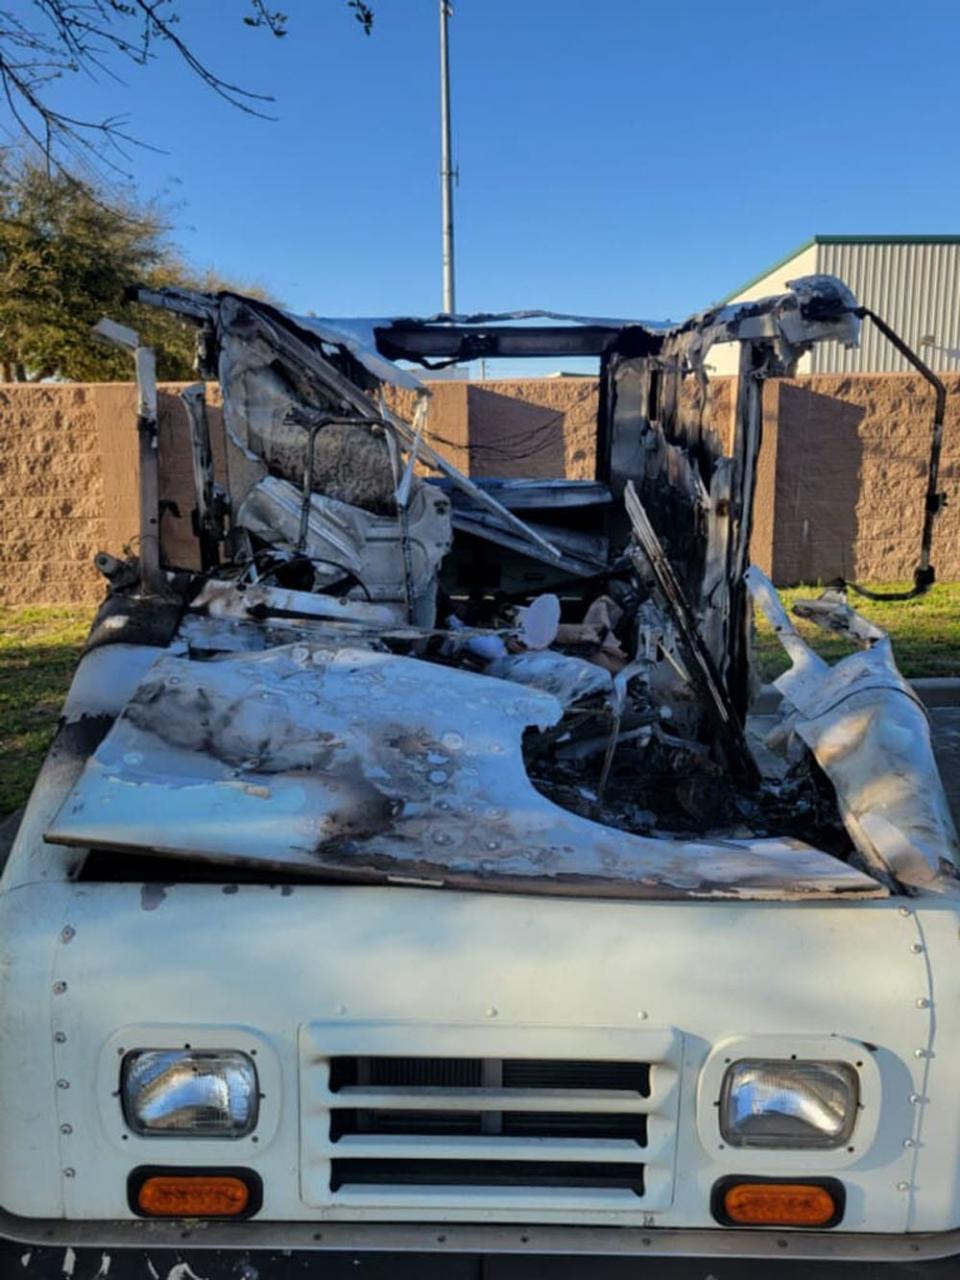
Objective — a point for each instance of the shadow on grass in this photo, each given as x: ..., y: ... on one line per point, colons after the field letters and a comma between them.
x: 925, y: 632
x: 39, y: 651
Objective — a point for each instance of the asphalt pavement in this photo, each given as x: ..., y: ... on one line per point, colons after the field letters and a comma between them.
x: 946, y: 744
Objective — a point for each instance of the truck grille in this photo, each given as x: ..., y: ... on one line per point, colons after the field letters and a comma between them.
x: 493, y: 1132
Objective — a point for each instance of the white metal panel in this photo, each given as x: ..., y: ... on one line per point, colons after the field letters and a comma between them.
x: 932, y: 1187
x: 724, y: 359
x: 661, y: 1048
x: 196, y: 958
x: 914, y: 286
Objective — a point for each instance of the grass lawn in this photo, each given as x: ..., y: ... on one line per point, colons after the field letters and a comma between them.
x: 925, y: 631
x: 39, y: 648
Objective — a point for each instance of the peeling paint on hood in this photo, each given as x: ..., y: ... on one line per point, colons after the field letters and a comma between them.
x: 349, y: 763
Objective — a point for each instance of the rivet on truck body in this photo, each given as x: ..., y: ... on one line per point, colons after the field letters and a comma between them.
x: 59, y: 988
x: 67, y: 933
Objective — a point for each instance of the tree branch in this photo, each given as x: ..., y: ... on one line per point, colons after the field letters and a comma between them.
x: 84, y: 37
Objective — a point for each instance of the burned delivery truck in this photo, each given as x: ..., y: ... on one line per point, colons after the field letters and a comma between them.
x: 409, y: 876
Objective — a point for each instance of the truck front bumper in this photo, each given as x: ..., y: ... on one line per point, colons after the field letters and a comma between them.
x: 50, y: 1262
x: 212, y: 1250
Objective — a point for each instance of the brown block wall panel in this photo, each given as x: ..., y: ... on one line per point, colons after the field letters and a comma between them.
x: 852, y: 454
x: 447, y: 427
x: 177, y: 489
x: 545, y: 428
x: 51, y: 495
x: 116, y: 414
x: 116, y: 409
x: 763, y: 536
x: 714, y: 405
x: 840, y: 481
x: 535, y: 428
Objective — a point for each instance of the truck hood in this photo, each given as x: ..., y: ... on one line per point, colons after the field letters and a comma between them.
x: 348, y: 763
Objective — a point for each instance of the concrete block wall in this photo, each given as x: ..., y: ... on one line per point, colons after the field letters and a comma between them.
x: 52, y: 512
x: 543, y: 428
x: 840, y: 480
x: 843, y: 476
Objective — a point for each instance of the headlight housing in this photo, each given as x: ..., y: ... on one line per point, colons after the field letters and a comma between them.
x: 789, y: 1104
x: 206, y: 1093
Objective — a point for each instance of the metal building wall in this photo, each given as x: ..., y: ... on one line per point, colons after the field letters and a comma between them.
x: 914, y: 286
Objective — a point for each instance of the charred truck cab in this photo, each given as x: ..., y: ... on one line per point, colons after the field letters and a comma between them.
x: 409, y: 879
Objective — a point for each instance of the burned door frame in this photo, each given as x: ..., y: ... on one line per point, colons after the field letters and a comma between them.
x: 697, y: 489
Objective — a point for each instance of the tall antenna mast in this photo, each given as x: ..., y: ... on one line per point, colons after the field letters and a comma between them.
x: 446, y: 172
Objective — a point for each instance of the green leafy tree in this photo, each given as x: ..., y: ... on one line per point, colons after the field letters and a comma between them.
x: 66, y: 257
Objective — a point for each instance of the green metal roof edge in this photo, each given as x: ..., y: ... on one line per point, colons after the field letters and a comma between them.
x: 947, y: 239
x: 807, y: 244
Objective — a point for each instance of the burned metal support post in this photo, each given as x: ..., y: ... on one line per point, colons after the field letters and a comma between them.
x: 208, y: 524
x: 118, y: 335
x: 746, y: 451
x: 703, y: 672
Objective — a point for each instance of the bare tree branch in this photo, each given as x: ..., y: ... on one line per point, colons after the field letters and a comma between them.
x: 89, y: 37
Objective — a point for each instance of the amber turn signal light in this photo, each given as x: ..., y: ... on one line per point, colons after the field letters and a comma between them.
x: 162, y: 1193
x: 775, y: 1203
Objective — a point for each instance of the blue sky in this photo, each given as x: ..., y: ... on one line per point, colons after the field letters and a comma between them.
x: 621, y: 157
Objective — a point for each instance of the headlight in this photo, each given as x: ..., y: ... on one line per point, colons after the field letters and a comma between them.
x: 184, y: 1092
x: 788, y: 1104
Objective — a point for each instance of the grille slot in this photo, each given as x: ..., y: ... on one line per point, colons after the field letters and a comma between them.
x: 484, y: 1089
x: 395, y: 1121
x: 485, y: 1173
x: 397, y: 1073
x: 517, y: 1073
x: 527, y: 1124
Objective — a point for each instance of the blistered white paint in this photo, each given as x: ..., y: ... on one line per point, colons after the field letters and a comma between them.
x: 568, y: 678
x: 360, y: 340
x: 339, y: 761
x: 221, y: 599
x: 724, y: 359
x: 871, y: 736
x: 106, y: 679
x: 782, y: 323
x: 374, y: 548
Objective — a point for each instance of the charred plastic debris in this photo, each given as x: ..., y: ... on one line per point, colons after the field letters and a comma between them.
x: 387, y: 671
